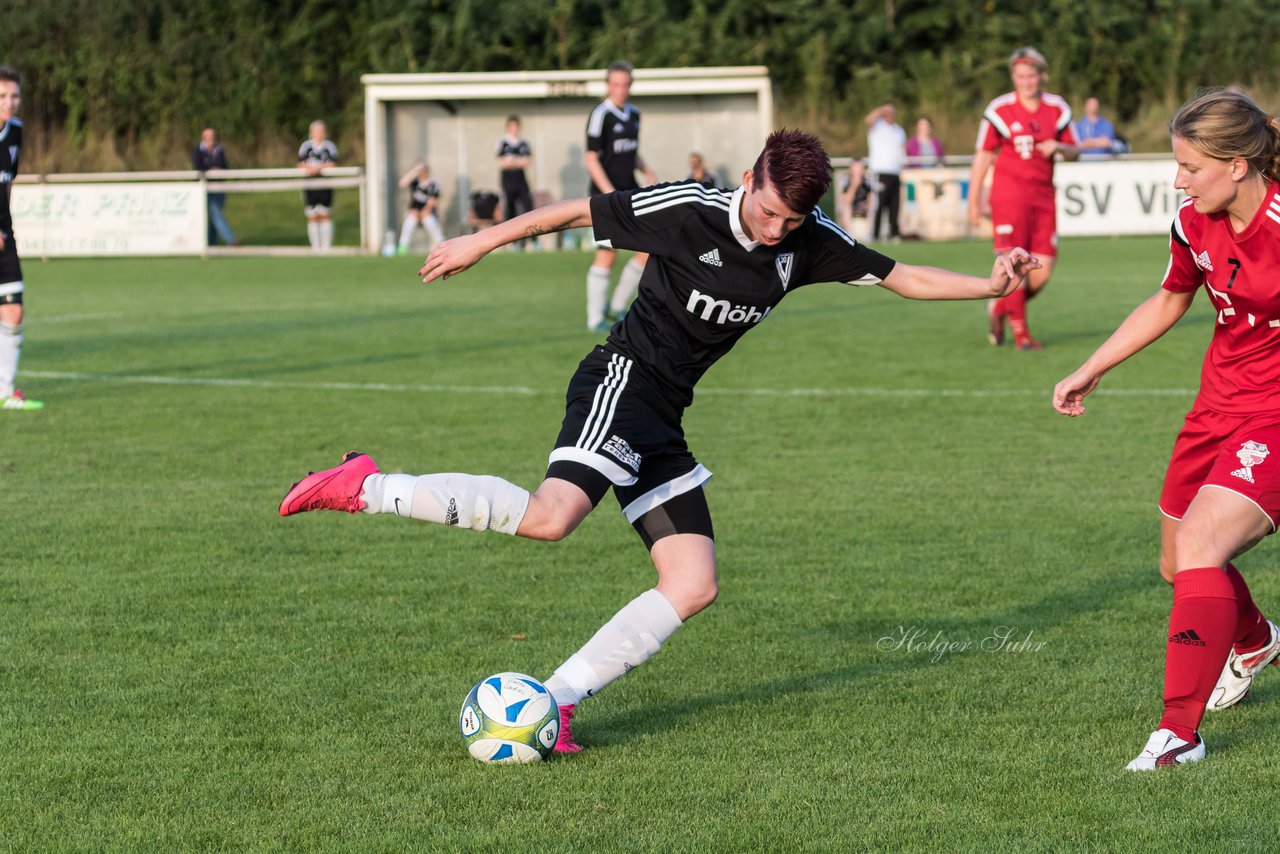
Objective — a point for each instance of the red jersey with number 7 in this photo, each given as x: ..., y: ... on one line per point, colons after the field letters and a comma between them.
x: 1013, y: 131
x: 1241, y: 274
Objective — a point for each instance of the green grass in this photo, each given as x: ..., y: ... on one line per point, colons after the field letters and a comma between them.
x: 180, y: 668
x: 276, y: 219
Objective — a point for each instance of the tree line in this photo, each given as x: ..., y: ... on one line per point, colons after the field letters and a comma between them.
x: 129, y: 83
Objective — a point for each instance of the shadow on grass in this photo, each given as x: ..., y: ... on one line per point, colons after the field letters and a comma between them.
x: 622, y: 726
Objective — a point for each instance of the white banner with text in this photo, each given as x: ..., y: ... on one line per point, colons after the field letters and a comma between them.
x: 67, y: 220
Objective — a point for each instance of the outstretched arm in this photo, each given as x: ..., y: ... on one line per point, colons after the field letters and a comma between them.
x: 1149, y: 321
x: 454, y: 256
x: 915, y: 282
x: 982, y: 160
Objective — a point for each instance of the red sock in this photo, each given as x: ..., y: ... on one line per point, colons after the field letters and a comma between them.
x: 1252, y: 631
x: 1201, y: 626
x: 1015, y: 305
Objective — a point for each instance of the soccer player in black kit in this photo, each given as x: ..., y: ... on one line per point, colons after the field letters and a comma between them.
x: 514, y: 155
x: 613, y: 156
x: 722, y: 261
x: 11, y: 285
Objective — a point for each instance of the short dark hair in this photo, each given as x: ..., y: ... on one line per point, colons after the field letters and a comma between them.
x: 513, y: 118
x: 796, y: 165
x: 620, y: 65
x: 8, y: 72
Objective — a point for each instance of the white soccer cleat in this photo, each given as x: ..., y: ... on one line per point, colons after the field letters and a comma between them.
x: 1166, y: 749
x: 1237, y: 674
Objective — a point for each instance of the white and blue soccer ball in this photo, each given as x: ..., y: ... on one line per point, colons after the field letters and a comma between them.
x: 509, y: 717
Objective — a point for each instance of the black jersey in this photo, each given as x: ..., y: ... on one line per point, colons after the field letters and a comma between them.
x: 420, y: 192
x: 614, y: 135
x: 706, y: 283
x: 513, y: 180
x: 10, y: 151
x: 312, y: 155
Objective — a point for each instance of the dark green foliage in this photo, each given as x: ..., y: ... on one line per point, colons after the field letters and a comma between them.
x: 123, y: 84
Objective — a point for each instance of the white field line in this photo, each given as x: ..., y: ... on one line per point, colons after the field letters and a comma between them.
x: 526, y: 391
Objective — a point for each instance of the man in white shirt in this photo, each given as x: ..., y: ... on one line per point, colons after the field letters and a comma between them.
x: 886, y: 155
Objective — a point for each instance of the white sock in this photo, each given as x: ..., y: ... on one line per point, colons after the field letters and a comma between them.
x: 10, y: 346
x: 628, y: 283
x: 432, y: 225
x: 313, y: 233
x: 597, y: 292
x: 406, y: 230
x: 478, y: 502
x: 326, y: 233
x: 632, y: 637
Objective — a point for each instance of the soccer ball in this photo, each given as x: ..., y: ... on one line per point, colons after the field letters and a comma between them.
x: 509, y: 717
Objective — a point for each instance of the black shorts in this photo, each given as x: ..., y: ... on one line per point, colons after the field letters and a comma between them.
x: 317, y: 198
x: 612, y: 427
x: 10, y: 273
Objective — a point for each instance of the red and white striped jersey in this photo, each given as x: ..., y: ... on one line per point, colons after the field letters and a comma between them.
x: 1012, y: 131
x: 1241, y: 274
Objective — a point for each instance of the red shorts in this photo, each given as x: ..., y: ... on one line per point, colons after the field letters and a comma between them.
x: 1029, y: 221
x: 1240, y: 453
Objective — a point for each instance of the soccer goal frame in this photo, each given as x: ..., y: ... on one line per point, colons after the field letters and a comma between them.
x: 455, y: 121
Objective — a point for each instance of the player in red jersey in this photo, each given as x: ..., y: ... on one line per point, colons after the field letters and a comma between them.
x: 1021, y: 133
x: 1222, y: 489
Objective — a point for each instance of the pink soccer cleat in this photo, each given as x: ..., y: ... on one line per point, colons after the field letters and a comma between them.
x: 337, y: 488
x: 564, y: 741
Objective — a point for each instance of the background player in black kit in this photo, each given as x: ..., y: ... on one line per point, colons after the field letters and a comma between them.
x: 514, y: 156
x: 424, y: 202
x: 613, y: 156
x: 11, y: 284
x: 317, y: 154
x: 722, y: 261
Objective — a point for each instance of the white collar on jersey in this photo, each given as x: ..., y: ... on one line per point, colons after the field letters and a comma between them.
x: 623, y: 113
x: 735, y: 221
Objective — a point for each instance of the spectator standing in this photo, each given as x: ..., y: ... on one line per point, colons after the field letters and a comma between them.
x: 1095, y: 134
x: 207, y: 157
x: 317, y: 154
x: 924, y: 149
x: 886, y: 155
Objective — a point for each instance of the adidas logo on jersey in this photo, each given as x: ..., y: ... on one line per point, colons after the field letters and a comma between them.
x: 1203, y: 262
x: 712, y: 258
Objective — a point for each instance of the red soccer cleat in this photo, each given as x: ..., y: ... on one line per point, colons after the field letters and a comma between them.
x: 1026, y: 342
x: 564, y: 741
x: 337, y: 488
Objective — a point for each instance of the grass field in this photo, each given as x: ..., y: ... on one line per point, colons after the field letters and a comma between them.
x: 180, y: 668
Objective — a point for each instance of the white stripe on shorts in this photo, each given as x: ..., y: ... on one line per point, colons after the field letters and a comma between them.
x: 660, y: 495
x: 11, y: 288
x: 605, y: 404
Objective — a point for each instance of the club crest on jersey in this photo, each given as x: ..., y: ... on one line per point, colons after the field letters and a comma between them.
x: 1250, y: 454
x: 784, y: 263
x: 1203, y: 262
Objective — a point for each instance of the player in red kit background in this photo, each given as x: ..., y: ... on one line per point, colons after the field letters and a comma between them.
x: 1221, y: 493
x: 1022, y: 132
